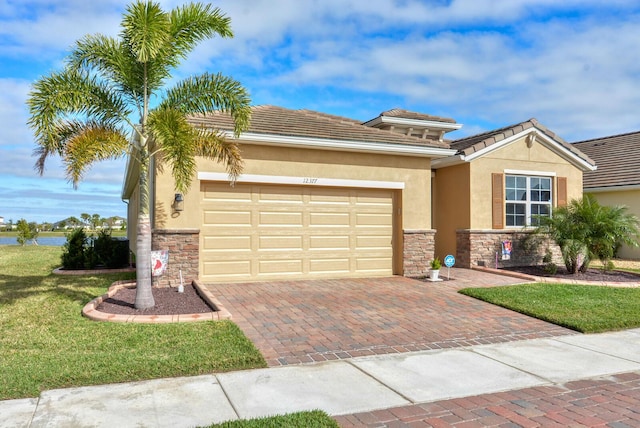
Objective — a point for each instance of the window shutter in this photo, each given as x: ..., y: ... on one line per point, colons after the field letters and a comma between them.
x: 497, y: 200
x: 562, y: 191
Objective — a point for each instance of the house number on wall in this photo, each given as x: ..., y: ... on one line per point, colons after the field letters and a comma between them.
x: 309, y: 180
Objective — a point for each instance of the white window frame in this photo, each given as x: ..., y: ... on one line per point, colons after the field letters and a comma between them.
x: 527, y: 202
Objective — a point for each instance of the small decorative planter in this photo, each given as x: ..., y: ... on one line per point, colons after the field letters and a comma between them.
x: 435, y: 270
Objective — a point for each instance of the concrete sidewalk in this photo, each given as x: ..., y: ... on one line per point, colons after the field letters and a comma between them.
x: 338, y: 387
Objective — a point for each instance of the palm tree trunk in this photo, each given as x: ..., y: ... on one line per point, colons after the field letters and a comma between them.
x: 144, y: 296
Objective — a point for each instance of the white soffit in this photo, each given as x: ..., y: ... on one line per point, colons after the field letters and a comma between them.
x: 343, y: 145
x: 528, y: 172
x: 431, y: 124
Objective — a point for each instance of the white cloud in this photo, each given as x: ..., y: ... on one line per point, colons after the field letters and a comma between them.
x: 486, y: 63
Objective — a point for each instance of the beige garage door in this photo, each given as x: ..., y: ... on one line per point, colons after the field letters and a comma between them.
x: 264, y: 232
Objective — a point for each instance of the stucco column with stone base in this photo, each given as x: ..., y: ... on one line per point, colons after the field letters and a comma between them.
x: 184, y: 251
x: 418, y: 251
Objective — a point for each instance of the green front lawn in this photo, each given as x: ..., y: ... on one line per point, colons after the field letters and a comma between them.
x: 45, y: 342
x: 585, y: 308
x: 313, y: 419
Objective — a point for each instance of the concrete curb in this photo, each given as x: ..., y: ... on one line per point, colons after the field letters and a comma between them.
x: 532, y: 278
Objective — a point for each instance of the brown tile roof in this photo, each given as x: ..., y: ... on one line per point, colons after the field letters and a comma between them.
x: 618, y: 160
x: 469, y: 145
x: 273, y: 120
x: 406, y: 114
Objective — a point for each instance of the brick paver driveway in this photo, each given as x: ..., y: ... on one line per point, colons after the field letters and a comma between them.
x: 305, y: 321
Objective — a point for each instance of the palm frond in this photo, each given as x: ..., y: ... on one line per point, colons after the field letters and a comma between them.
x: 71, y: 94
x: 213, y: 145
x: 208, y: 92
x: 194, y: 22
x: 146, y: 29
x: 109, y: 58
x: 90, y: 142
x: 174, y: 139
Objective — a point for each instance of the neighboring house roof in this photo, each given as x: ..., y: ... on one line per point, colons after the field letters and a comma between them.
x: 279, y: 121
x: 618, y: 161
x: 474, y: 146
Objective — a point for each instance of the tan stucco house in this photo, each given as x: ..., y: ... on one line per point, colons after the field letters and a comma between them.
x: 488, y: 192
x: 324, y: 196
x: 617, y: 179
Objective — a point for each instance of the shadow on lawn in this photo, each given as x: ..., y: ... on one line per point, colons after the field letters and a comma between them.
x: 79, y: 288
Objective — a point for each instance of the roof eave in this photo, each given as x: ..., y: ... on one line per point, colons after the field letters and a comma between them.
x: 547, y: 141
x: 433, y: 124
x: 456, y: 159
x: 342, y: 145
x: 601, y: 189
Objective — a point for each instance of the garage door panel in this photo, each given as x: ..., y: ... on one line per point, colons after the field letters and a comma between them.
x: 279, y: 194
x: 329, y: 219
x: 373, y: 241
x: 227, y: 193
x: 280, y: 242
x: 329, y: 242
x: 329, y: 196
x: 271, y: 232
x: 374, y: 197
x: 281, y: 267
x: 374, y: 264
x: 330, y: 266
x: 370, y: 219
x: 240, y: 269
x: 227, y: 243
x: 282, y: 218
x: 227, y: 218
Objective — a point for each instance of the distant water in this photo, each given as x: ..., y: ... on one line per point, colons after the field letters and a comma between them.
x: 50, y: 241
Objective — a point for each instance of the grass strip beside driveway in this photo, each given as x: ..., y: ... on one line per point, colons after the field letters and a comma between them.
x: 311, y: 419
x: 46, y: 343
x: 584, y: 308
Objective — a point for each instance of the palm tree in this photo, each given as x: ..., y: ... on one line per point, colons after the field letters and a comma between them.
x: 86, y: 218
x: 99, y: 107
x: 585, y: 230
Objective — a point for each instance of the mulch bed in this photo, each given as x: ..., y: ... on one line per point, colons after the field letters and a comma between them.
x: 589, y: 275
x: 168, y: 302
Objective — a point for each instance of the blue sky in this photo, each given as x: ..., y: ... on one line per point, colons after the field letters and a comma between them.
x: 572, y: 64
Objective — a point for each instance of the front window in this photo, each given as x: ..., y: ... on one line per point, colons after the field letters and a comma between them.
x: 527, y: 197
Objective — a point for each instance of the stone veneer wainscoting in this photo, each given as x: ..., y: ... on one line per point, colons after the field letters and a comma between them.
x: 479, y: 248
x: 418, y: 251
x: 184, y: 250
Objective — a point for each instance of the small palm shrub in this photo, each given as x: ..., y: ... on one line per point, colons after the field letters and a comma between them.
x: 585, y: 230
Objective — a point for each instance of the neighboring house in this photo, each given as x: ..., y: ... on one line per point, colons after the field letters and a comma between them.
x: 1, y: 220
x: 324, y: 196
x: 617, y: 179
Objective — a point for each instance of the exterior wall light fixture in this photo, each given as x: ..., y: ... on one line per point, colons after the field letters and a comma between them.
x: 178, y: 202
